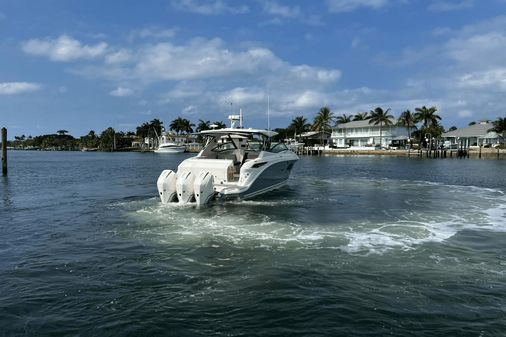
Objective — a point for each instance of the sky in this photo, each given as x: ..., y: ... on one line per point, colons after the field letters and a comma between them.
x: 88, y: 65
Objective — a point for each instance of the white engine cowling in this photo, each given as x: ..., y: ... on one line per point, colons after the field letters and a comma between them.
x: 166, y: 184
x: 204, y: 188
x: 184, y: 187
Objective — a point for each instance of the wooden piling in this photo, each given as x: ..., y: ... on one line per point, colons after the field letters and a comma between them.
x: 4, y: 151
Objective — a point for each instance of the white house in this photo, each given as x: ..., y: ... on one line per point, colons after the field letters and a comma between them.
x: 362, y: 134
x: 474, y: 135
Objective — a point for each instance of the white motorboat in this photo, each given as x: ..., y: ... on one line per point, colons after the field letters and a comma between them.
x: 294, y: 145
x: 167, y: 146
x: 234, y: 163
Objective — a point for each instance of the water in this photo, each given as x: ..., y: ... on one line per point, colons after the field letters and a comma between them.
x: 353, y: 246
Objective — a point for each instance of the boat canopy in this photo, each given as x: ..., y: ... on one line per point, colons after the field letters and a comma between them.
x: 241, y: 132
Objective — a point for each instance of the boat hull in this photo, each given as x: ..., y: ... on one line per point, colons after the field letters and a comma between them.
x: 178, y: 149
x: 272, y: 177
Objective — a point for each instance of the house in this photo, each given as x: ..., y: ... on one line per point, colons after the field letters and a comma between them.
x: 361, y: 134
x: 315, y: 138
x: 473, y: 135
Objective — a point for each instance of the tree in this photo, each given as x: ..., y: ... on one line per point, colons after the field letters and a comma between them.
x: 150, y: 128
x: 499, y: 127
x: 203, y: 125
x: 323, y: 120
x: 343, y: 119
x: 90, y: 140
x: 186, y: 126
x: 361, y: 116
x: 61, y: 132
x: 452, y: 128
x: 408, y: 120
x: 472, y: 123
x: 299, y: 125
x: 378, y: 116
x: 157, y: 125
x: 107, y: 139
x: 427, y: 116
x: 220, y: 125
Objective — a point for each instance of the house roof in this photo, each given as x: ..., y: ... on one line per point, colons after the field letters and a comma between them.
x: 310, y: 134
x: 476, y: 130
x: 360, y: 124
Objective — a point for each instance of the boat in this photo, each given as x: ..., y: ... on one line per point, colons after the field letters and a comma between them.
x: 294, y: 145
x: 235, y: 163
x: 168, y: 146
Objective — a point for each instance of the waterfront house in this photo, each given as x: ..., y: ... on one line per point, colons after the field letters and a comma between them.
x: 473, y: 135
x: 315, y: 138
x: 361, y: 135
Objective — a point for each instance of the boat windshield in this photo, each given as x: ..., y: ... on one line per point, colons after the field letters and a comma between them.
x: 278, y: 147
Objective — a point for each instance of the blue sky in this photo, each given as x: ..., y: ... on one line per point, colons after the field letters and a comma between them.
x: 88, y: 65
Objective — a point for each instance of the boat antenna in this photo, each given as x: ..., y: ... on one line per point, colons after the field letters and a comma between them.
x: 268, y: 112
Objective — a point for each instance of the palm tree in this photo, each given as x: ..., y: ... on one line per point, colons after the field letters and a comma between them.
x: 203, y: 125
x: 408, y: 120
x: 220, y: 125
x: 176, y: 125
x: 186, y: 126
x: 157, y: 125
x: 361, y: 116
x: 500, y: 127
x: 427, y: 116
x: 378, y: 116
x: 323, y: 120
x: 299, y: 125
x: 343, y: 119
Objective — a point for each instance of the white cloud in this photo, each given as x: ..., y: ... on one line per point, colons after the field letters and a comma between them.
x: 305, y: 72
x: 464, y: 113
x: 214, y: 7
x: 13, y: 88
x: 273, y: 8
x: 190, y: 110
x: 338, y: 6
x: 494, y: 80
x: 448, y: 6
x: 308, y: 99
x: 121, y: 92
x: 154, y: 32
x: 480, y: 50
x: 64, y: 48
x: 120, y: 56
x: 243, y: 96
x: 200, y: 59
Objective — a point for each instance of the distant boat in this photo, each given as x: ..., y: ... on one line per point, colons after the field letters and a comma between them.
x: 293, y: 144
x: 167, y: 146
x: 87, y: 149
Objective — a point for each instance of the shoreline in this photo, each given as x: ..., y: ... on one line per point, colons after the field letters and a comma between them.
x: 473, y: 153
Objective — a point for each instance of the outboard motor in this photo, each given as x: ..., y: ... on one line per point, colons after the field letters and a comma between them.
x: 184, y: 187
x: 204, y: 188
x: 166, y: 184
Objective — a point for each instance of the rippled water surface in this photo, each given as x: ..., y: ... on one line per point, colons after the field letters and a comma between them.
x: 353, y: 246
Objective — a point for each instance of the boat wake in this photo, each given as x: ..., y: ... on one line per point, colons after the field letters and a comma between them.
x: 292, y: 223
